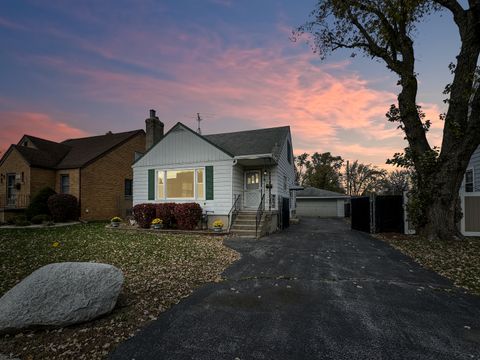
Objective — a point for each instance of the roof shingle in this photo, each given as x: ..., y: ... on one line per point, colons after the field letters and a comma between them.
x: 320, y: 193
x: 72, y: 153
x: 251, y: 142
x: 84, y: 150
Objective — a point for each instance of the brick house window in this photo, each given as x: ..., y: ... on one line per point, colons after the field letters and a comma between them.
x: 65, y: 184
x: 469, y: 180
x: 128, y: 187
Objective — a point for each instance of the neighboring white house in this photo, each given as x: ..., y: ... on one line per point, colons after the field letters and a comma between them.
x: 470, y: 197
x: 312, y: 201
x: 215, y: 170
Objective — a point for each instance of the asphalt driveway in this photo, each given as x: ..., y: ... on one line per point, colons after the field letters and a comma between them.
x: 316, y: 291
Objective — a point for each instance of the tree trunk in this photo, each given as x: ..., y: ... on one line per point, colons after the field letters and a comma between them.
x: 441, y: 219
x: 444, y: 211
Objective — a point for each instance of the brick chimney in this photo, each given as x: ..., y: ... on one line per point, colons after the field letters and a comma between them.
x: 154, y: 130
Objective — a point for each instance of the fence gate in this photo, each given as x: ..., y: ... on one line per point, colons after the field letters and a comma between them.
x: 380, y: 213
x: 389, y: 213
x: 360, y: 213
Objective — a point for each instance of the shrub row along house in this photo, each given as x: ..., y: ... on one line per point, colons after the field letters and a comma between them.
x: 96, y: 170
x: 246, y: 179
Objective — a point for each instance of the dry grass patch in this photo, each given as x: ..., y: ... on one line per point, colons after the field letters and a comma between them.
x: 458, y: 261
x: 159, y: 269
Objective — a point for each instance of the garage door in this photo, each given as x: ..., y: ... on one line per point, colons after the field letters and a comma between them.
x: 322, y: 208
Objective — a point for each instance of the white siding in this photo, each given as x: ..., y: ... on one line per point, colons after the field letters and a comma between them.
x: 181, y: 146
x: 284, y: 171
x: 237, y: 181
x: 475, y: 165
x: 183, y: 149
x: 222, y: 185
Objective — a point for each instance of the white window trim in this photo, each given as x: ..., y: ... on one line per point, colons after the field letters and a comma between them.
x: 473, y: 179
x: 195, y: 195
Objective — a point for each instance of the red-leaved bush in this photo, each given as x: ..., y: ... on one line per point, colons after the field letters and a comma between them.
x: 144, y: 214
x: 63, y: 207
x: 187, y: 215
x: 166, y: 212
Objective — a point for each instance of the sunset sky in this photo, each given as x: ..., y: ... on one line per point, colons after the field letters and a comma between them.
x: 72, y: 69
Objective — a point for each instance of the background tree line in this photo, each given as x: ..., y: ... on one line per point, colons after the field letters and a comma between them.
x: 329, y: 172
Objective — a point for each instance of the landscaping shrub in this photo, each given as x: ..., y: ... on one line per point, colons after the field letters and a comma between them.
x: 39, y: 203
x: 63, y: 207
x: 166, y: 212
x: 144, y: 214
x: 188, y: 215
x: 21, y: 220
x: 40, y: 219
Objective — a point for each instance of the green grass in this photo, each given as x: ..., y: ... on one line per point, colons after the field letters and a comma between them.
x: 457, y: 260
x: 159, y: 269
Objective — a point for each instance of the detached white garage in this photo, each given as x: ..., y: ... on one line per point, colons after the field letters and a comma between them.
x: 320, y: 203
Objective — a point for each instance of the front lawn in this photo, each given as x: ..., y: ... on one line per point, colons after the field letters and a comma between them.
x: 458, y: 261
x: 159, y: 269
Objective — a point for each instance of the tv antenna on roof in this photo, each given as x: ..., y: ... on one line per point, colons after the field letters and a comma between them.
x: 199, y: 119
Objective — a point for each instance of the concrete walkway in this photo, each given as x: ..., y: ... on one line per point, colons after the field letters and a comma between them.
x: 317, y: 291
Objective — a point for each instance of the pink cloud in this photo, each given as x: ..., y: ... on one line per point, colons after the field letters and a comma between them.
x: 16, y: 124
x: 241, y: 85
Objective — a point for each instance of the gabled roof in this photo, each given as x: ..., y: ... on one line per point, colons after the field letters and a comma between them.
x: 251, y: 142
x: 313, y: 192
x: 70, y: 154
x: 85, y: 150
x: 45, y: 154
x: 239, y: 143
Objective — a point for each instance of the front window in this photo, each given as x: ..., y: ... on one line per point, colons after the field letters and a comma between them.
x: 128, y: 187
x: 200, y: 184
x: 181, y: 184
x: 469, y: 180
x: 161, y: 185
x: 65, y: 184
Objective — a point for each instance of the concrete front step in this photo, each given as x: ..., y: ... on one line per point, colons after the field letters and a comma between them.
x: 243, y: 227
x: 245, y: 221
x: 250, y: 233
x: 245, y: 224
x: 246, y: 217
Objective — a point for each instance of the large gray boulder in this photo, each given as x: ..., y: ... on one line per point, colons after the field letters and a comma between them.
x: 60, y: 294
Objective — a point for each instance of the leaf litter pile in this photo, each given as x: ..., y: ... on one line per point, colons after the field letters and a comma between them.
x: 458, y: 261
x: 159, y: 270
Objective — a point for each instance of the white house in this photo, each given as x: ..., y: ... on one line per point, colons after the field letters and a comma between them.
x: 242, y: 172
x: 470, y: 197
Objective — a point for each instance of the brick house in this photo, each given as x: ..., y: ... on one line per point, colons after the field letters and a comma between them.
x: 97, y: 170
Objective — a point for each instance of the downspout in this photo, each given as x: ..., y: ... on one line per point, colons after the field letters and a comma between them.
x: 234, y: 162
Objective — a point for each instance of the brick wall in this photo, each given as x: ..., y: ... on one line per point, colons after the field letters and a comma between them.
x: 15, y: 164
x: 103, y: 181
x: 41, y: 178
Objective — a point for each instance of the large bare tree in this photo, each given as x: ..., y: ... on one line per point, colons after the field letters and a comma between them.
x: 384, y: 30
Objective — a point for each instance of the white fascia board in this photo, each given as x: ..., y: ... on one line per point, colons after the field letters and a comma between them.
x: 254, y: 156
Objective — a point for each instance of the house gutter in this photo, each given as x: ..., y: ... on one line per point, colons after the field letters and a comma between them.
x: 256, y: 156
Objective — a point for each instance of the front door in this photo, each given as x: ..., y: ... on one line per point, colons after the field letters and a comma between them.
x: 252, y: 189
x: 11, y: 192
